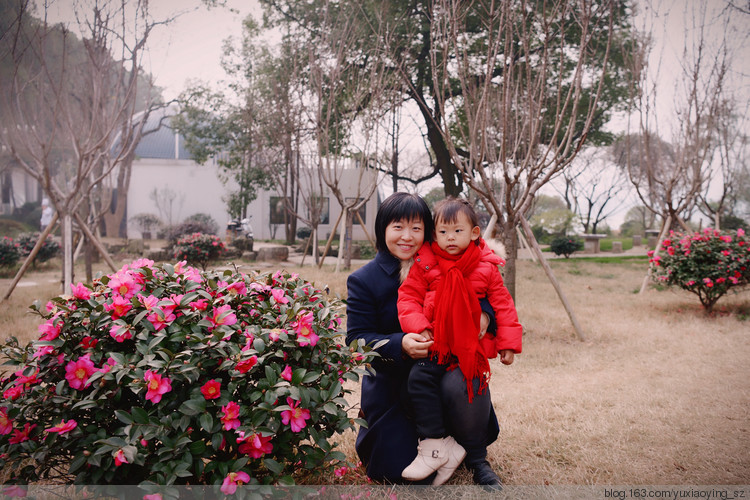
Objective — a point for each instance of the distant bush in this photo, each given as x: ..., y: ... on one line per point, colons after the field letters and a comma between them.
x: 146, y: 223
x: 9, y: 252
x: 304, y: 232
x: 707, y: 263
x: 199, y: 248
x: 197, y: 223
x: 50, y: 248
x: 566, y: 246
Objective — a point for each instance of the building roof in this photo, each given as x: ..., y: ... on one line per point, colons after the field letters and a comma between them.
x: 162, y: 142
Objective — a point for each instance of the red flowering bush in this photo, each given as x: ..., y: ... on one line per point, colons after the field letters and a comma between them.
x: 199, y: 248
x: 9, y: 252
x: 167, y: 375
x: 707, y: 263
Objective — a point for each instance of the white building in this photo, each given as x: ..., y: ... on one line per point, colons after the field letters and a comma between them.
x: 167, y: 182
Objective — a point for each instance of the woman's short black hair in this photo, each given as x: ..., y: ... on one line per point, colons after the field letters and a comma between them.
x: 402, y: 206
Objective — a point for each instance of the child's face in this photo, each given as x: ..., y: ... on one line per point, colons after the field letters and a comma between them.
x: 455, y: 237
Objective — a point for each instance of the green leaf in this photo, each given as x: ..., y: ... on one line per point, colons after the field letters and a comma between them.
x: 139, y: 415
x: 123, y: 417
x: 273, y: 466
x: 206, y: 421
x: 193, y: 407
x: 197, y: 447
x: 331, y: 408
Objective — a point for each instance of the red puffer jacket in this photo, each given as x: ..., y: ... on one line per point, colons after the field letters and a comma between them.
x: 416, y: 298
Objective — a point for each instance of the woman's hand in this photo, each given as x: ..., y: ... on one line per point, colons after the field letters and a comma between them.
x: 484, y: 322
x: 415, y: 345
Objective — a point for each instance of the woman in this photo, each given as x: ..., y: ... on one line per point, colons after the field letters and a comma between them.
x: 389, y: 443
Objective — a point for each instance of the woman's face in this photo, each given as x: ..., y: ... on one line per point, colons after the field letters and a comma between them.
x: 403, y: 238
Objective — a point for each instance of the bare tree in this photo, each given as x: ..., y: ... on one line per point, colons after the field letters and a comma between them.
x: 670, y: 175
x: 523, y: 125
x: 593, y: 187
x: 64, y: 108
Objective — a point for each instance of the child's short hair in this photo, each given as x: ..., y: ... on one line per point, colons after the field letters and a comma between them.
x: 447, y: 210
x: 402, y: 206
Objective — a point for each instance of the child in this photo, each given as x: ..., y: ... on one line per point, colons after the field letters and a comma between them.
x: 440, y: 300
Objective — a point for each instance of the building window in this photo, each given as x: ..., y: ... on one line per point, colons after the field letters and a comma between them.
x: 362, y: 210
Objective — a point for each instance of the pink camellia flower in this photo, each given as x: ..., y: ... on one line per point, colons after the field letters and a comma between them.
x: 341, y: 471
x: 232, y: 480
x: 246, y: 364
x: 13, y: 393
x: 223, y: 315
x: 120, y: 458
x: 88, y: 342
x: 148, y: 302
x: 80, y: 291
x: 153, y: 496
x: 156, y: 386
x: 120, y: 333
x: 107, y: 367
x: 50, y: 329
x: 740, y: 232
x: 231, y: 418
x: 19, y: 436
x: 279, y: 296
x: 124, y: 284
x: 63, y: 427
x: 274, y: 334
x: 77, y: 372
x: 296, y: 416
x: 119, y: 306
x: 237, y: 288
x: 142, y: 263
x: 199, y: 305
x: 43, y: 351
x: 159, y: 319
x: 211, y: 389
x: 286, y: 373
x: 254, y: 445
x: 6, y: 424
x: 303, y: 328
x: 708, y: 282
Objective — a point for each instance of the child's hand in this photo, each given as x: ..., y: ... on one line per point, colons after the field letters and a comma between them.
x: 427, y: 334
x: 506, y: 356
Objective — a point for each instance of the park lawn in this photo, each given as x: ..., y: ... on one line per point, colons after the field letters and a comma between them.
x: 658, y: 394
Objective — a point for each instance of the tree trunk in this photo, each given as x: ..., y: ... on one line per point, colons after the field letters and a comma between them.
x: 510, y: 240
x: 349, y: 227
x: 67, y: 239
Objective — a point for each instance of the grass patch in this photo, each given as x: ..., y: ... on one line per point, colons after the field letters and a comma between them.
x: 611, y: 260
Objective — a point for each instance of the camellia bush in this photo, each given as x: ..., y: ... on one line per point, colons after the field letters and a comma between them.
x: 165, y: 375
x: 10, y: 252
x: 50, y: 248
x: 199, y: 248
x: 566, y: 246
x: 707, y: 263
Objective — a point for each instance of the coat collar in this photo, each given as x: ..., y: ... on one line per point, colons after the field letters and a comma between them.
x: 388, y: 263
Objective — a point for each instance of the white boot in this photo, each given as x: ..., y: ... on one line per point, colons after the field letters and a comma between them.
x: 431, y: 455
x: 456, y: 454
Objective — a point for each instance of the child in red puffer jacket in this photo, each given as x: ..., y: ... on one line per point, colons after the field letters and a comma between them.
x: 440, y: 300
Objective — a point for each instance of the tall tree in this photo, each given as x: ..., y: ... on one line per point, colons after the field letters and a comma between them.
x: 407, y: 28
x: 64, y: 107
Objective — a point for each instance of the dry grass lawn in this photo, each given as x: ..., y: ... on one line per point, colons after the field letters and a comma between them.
x: 659, y: 394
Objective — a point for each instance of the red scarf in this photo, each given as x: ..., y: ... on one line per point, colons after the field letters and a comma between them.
x: 457, y: 313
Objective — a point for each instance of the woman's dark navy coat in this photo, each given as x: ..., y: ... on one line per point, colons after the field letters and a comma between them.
x: 389, y: 443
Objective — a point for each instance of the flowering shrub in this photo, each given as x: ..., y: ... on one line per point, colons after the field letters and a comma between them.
x: 199, y: 248
x: 9, y: 252
x: 27, y: 241
x: 566, y: 246
x: 707, y: 263
x: 169, y: 375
